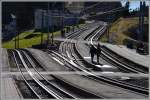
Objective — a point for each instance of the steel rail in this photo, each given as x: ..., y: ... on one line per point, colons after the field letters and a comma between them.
x: 137, y: 88
x: 24, y: 77
x: 68, y: 94
x: 78, y: 88
x: 141, y: 69
x: 107, y: 80
x: 140, y: 88
x: 36, y: 79
x: 114, y: 59
x: 106, y: 55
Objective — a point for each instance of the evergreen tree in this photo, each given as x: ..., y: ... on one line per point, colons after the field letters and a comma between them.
x: 126, y: 11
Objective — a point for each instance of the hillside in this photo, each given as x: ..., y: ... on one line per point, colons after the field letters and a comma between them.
x: 120, y: 29
x: 27, y: 39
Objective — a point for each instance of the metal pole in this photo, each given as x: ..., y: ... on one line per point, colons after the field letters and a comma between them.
x: 142, y: 20
x: 108, y: 30
x: 18, y: 38
x: 52, y: 31
x: 15, y: 42
x: 17, y: 30
x: 47, y: 25
x: 42, y: 30
x: 16, y: 33
x: 52, y: 28
x: 63, y: 21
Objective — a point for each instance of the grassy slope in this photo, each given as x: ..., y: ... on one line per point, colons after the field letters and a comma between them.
x: 120, y: 28
x: 23, y: 43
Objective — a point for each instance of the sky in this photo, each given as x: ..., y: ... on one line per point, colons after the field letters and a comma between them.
x: 134, y: 3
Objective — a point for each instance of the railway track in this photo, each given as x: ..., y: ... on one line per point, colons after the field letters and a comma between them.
x: 51, y: 90
x: 136, y: 68
x: 71, y: 58
x: 32, y: 90
x: 56, y: 91
x: 61, y: 93
x: 115, y: 59
x: 91, y: 40
x: 104, y: 79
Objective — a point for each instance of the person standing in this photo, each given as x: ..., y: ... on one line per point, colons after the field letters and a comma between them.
x: 98, y: 52
x: 92, y: 51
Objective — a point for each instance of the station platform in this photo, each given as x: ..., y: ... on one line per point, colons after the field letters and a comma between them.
x: 4, y: 61
x: 8, y: 87
x: 129, y: 54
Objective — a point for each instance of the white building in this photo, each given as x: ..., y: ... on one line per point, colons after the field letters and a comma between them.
x: 52, y: 18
